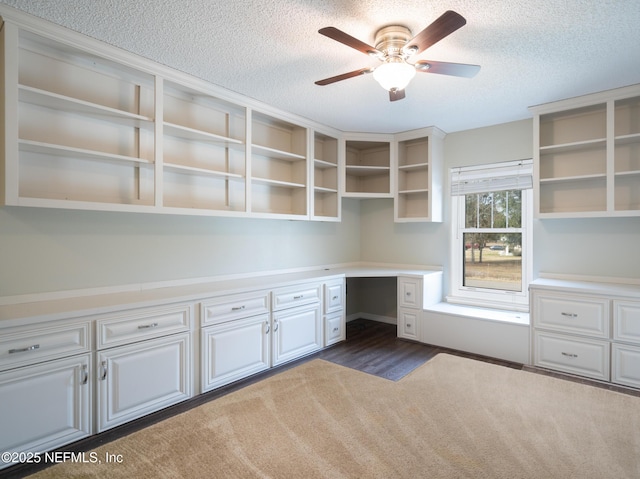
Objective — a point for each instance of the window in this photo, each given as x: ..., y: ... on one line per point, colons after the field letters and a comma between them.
x: 491, y: 232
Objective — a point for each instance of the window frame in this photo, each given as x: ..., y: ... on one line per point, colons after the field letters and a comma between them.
x: 484, y: 297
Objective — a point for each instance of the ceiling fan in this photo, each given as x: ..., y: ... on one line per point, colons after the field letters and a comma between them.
x: 394, y: 46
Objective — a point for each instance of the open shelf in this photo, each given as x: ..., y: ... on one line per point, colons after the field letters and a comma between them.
x: 415, y: 180
x: 368, y: 168
x: 589, y: 157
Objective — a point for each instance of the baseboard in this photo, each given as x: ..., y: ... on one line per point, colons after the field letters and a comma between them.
x: 372, y: 317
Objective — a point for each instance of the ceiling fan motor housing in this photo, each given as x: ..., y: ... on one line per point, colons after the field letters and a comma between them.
x: 390, y: 40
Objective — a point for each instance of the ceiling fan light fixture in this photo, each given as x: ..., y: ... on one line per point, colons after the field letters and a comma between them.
x: 394, y: 74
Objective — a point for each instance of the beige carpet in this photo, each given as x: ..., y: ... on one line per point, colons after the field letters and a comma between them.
x: 450, y: 418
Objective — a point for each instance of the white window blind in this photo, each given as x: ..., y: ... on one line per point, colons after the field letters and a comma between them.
x: 510, y: 175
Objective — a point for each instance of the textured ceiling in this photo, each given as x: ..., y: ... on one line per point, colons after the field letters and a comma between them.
x: 531, y: 52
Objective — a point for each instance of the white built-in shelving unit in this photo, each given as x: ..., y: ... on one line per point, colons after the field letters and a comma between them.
x: 587, y: 155
x: 89, y: 126
x: 419, y: 176
x: 368, y: 166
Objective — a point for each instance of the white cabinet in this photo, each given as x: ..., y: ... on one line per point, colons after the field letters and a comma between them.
x: 587, y: 155
x: 588, y: 329
x: 141, y: 378
x: 234, y: 350
x: 296, y: 332
x: 235, y: 340
x: 334, y: 311
x: 243, y: 334
x: 410, y: 305
x: 296, y: 322
x: 45, y: 385
x: 368, y: 172
x: 419, y: 175
x: 45, y: 405
x: 143, y: 363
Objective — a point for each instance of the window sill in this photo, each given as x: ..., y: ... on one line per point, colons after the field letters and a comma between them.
x: 486, y: 314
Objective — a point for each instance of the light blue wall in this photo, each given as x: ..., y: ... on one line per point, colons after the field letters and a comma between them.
x: 45, y: 250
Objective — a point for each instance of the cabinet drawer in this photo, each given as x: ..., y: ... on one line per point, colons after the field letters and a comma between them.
x: 333, y: 296
x: 334, y: 329
x: 584, y: 357
x: 227, y: 308
x: 136, y: 325
x: 410, y: 292
x: 625, y: 367
x: 626, y: 321
x: 575, y: 314
x: 26, y: 345
x: 408, y: 323
x: 295, y: 296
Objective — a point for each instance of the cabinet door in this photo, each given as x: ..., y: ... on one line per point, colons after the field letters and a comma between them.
x: 45, y: 406
x: 234, y: 350
x: 140, y: 378
x: 296, y: 332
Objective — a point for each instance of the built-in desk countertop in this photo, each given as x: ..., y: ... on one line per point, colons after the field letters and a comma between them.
x: 37, y: 308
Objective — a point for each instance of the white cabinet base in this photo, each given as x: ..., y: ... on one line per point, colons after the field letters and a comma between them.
x: 296, y: 332
x: 234, y: 350
x: 45, y: 406
x: 143, y: 377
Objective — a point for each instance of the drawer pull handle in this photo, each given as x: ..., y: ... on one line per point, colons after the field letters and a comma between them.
x: 408, y: 293
x: 570, y: 315
x: 570, y: 355
x: 268, y: 327
x: 103, y: 376
x: 300, y: 296
x: 85, y: 375
x: 275, y: 326
x: 22, y: 350
x: 147, y: 326
x: 237, y: 308
x: 408, y: 325
x: 334, y: 298
x: 336, y: 329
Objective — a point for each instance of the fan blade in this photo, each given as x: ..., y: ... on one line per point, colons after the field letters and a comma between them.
x: 344, y: 76
x: 445, y: 25
x: 395, y: 95
x: 348, y: 40
x: 445, y: 68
